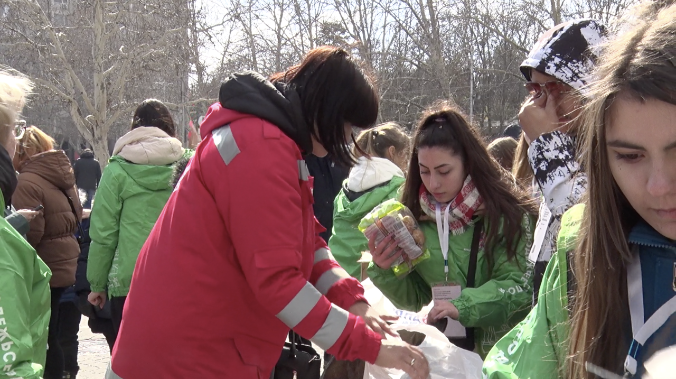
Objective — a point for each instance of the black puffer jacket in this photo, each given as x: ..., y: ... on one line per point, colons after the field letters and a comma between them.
x: 87, y: 171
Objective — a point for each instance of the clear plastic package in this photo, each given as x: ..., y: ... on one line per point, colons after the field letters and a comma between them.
x: 392, y: 217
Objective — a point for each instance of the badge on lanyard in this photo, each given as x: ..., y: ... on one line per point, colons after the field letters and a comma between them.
x: 447, y: 291
x: 673, y: 283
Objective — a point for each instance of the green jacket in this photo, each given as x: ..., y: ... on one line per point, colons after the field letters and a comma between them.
x: 347, y: 242
x: 537, y: 347
x: 127, y: 204
x: 493, y: 307
x: 24, y: 306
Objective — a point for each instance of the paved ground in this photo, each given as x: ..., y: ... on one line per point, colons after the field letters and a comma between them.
x: 93, y: 354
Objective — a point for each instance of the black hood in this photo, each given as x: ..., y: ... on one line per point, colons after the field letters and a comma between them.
x: 277, y: 103
x: 87, y: 155
x: 8, y: 179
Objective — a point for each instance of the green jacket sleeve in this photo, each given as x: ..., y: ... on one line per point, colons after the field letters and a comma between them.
x: 409, y: 293
x: 507, y: 293
x: 537, y: 347
x: 18, y: 222
x: 496, y: 301
x: 17, y: 340
x: 105, y: 228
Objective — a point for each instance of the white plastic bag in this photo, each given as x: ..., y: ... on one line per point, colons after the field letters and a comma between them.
x: 446, y: 360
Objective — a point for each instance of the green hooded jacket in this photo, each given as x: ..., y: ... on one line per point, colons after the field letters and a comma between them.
x: 537, y: 347
x: 347, y: 242
x: 128, y: 202
x: 492, y: 307
x: 24, y: 306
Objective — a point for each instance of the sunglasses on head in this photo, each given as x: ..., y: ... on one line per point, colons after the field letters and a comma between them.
x: 536, y: 89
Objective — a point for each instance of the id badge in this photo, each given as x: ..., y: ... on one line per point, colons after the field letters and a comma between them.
x: 540, y: 232
x: 447, y: 292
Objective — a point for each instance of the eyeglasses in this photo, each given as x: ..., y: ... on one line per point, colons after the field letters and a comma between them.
x: 19, y: 129
x: 536, y: 89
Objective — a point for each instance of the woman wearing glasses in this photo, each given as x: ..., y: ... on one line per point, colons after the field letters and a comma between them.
x: 18, y: 219
x: 24, y: 277
x: 556, y: 70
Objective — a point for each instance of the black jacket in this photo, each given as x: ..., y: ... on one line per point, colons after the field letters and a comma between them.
x: 87, y: 172
x: 329, y: 177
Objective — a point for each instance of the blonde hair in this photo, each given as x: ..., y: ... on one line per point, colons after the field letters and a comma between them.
x: 376, y: 141
x: 521, y: 169
x: 14, y: 88
x: 34, y: 141
x: 639, y: 64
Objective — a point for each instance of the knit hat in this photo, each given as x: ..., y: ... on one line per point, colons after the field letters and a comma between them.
x: 567, y: 52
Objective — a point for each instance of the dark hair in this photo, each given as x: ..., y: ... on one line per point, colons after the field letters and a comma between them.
x: 333, y: 90
x: 502, y: 150
x: 152, y: 112
x: 443, y: 125
x: 376, y: 141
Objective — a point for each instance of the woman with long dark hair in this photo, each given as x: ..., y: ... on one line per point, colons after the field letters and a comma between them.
x: 235, y: 259
x: 608, y: 298
x: 464, y: 201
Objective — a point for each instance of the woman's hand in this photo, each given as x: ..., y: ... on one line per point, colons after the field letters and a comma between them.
x: 400, y: 355
x: 443, y: 308
x: 386, y: 252
x: 374, y: 320
x: 28, y: 214
x: 538, y: 116
x: 97, y: 299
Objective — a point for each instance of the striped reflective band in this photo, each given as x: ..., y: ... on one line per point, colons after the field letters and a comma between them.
x: 303, y: 172
x: 332, y: 329
x: 300, y: 306
x: 321, y: 255
x: 110, y: 374
x: 329, y: 278
x: 225, y: 143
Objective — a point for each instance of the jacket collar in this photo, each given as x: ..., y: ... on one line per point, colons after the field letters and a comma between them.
x: 644, y: 234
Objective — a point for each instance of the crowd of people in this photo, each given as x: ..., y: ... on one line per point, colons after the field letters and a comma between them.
x: 549, y: 253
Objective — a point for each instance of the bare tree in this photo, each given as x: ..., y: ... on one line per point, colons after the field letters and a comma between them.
x: 126, y: 40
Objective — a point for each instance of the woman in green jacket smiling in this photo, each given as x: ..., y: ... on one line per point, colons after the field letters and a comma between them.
x: 454, y: 187
x: 375, y: 178
x: 133, y: 190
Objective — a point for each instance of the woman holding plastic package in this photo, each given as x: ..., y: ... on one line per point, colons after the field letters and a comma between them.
x: 466, y: 206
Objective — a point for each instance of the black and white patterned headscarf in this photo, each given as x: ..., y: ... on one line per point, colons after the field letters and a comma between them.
x: 567, y: 52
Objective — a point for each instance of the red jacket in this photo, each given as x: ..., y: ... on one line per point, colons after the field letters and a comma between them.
x: 233, y: 262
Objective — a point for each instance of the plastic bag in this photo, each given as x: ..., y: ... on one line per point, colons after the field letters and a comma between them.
x: 392, y: 217
x: 446, y: 360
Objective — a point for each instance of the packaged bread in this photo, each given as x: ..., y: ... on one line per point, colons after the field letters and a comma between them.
x: 392, y: 217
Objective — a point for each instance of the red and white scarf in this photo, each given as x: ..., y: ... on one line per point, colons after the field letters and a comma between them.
x: 463, y: 206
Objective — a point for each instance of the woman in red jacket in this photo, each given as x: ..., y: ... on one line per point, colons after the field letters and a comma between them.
x: 220, y: 303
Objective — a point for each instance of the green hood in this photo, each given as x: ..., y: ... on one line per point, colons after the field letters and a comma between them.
x: 128, y: 202
x: 354, y: 211
x: 151, y: 177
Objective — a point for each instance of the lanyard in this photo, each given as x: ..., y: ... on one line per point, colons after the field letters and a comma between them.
x: 641, y: 329
x: 443, y: 229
